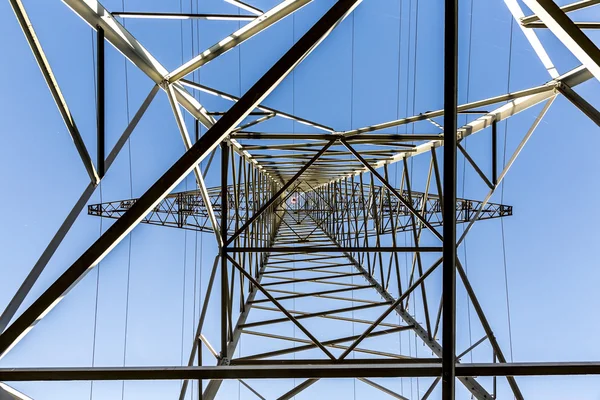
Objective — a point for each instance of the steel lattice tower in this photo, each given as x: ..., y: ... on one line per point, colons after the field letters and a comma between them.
x: 308, y: 225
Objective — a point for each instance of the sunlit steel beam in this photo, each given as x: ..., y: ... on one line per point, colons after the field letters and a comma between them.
x: 170, y: 179
x: 568, y: 33
x: 40, y: 58
x: 267, y: 19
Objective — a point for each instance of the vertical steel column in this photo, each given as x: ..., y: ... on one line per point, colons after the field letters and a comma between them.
x: 494, y: 152
x: 224, y: 212
x: 199, y: 346
x: 100, y: 101
x: 449, y: 228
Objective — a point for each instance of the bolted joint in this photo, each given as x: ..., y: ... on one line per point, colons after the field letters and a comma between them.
x: 164, y: 84
x: 224, y: 360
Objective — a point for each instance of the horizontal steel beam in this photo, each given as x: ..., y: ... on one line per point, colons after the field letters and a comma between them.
x: 567, y: 8
x: 322, y: 249
x: 266, y: 109
x: 332, y: 370
x: 157, y: 15
x: 568, y: 33
x: 580, y: 25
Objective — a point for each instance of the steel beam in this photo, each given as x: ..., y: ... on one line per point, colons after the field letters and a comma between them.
x: 92, y: 12
x: 568, y: 33
x: 40, y: 58
x: 327, y: 249
x: 515, y: 9
x: 449, y: 187
x: 230, y: 97
x: 224, y: 225
x: 261, y: 23
x: 578, y: 5
x: 58, y: 237
x: 10, y: 393
x: 245, y: 6
x: 187, y: 141
x: 519, y: 101
x: 100, y: 99
x: 174, y: 175
x: 580, y: 25
x: 589, y: 110
x: 158, y: 15
x: 333, y: 370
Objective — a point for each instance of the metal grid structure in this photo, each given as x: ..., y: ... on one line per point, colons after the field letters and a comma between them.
x: 316, y: 211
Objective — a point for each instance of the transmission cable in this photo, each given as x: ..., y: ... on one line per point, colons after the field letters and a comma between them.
x: 464, y: 177
x: 100, y: 234
x: 295, y: 152
x: 185, y: 234
x: 400, y: 5
x: 349, y: 157
x: 414, y: 100
x: 510, y: 341
x: 195, y: 302
x: 130, y: 233
x: 239, y: 47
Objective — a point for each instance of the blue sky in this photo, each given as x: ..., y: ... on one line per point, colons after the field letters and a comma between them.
x: 550, y: 239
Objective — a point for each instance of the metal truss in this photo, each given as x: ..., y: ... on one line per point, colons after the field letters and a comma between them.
x: 187, y: 209
x: 309, y: 225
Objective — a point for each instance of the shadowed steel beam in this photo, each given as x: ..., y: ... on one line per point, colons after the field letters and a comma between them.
x: 580, y: 103
x: 174, y: 175
x: 568, y: 8
x: 187, y: 141
x: 245, y: 6
x: 391, y: 308
x: 507, y: 166
x: 534, y: 41
x: 581, y: 25
x: 568, y: 33
x: 323, y: 249
x: 298, y: 389
x: 281, y: 191
x: 275, y: 371
x: 10, y: 393
x: 261, y: 23
x: 156, y: 15
x: 92, y: 12
x: 537, y: 94
x: 58, y: 237
x: 469, y: 382
x: 431, y: 388
x: 195, y: 344
x: 391, y: 189
x: 231, y: 97
x: 521, y: 101
x: 487, y: 328
x: 252, y: 390
x: 257, y: 285
x: 100, y: 101
x: 57, y: 95
x: 383, y: 389
x: 462, y: 107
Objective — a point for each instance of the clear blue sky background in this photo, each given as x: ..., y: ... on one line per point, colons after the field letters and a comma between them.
x: 553, y: 270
